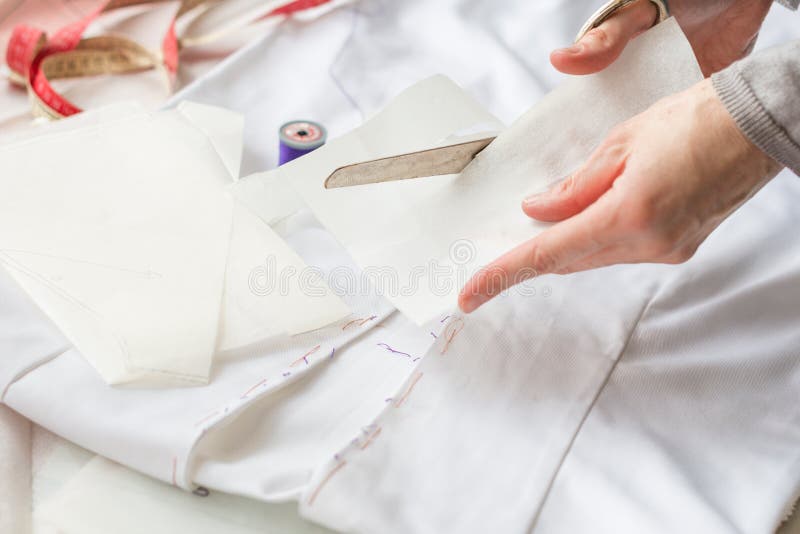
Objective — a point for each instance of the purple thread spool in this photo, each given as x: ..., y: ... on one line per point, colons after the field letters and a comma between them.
x: 298, y: 138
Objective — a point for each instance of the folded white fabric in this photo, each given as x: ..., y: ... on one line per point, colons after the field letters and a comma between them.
x: 271, y: 412
x: 474, y: 438
x: 696, y: 428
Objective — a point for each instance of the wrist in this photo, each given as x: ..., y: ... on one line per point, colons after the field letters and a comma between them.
x: 733, y: 144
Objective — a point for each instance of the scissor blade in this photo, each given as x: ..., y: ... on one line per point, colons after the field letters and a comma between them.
x: 449, y: 159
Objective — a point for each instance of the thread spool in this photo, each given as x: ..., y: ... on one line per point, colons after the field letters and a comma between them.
x: 298, y: 138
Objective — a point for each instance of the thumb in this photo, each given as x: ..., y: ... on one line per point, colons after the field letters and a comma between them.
x: 601, y: 46
x: 576, y: 192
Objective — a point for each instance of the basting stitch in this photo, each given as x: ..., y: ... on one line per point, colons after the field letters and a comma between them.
x: 371, y: 438
x: 305, y: 356
x: 390, y: 349
x: 246, y: 393
x: 206, y: 418
x: 325, y: 480
x: 459, y: 326
x: 360, y: 321
x: 413, y: 383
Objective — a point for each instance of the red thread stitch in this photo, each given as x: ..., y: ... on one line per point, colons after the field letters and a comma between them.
x: 206, y: 418
x: 454, y: 328
x: 324, y: 481
x: 359, y: 321
x: 362, y: 322
x: 371, y: 438
x: 249, y: 391
x: 304, y: 357
x: 413, y: 383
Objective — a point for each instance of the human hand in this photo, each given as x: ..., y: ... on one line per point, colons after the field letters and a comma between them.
x: 720, y: 32
x: 657, y: 186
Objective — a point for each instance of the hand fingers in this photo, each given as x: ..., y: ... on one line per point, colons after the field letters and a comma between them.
x: 602, y: 45
x: 579, y: 191
x: 559, y: 246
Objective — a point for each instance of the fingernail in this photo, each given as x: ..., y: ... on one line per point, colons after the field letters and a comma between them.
x: 532, y: 200
x: 575, y: 49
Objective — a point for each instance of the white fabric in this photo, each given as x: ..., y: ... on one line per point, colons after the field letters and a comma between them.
x: 171, y: 434
x: 473, y: 440
x: 699, y: 426
x: 699, y: 415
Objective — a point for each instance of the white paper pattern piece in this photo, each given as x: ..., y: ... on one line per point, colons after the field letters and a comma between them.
x: 223, y: 128
x: 456, y: 224
x: 121, y: 232
x: 255, y: 305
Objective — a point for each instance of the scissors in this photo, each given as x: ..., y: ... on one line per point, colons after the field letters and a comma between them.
x: 450, y: 159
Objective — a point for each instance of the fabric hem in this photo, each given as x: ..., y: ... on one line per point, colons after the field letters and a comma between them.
x: 590, y: 408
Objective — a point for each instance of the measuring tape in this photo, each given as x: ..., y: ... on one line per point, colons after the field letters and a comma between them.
x: 34, y: 59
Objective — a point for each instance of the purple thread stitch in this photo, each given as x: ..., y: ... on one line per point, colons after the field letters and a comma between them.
x: 434, y: 335
x: 287, y: 374
x: 446, y: 318
x: 332, y: 351
x: 390, y: 349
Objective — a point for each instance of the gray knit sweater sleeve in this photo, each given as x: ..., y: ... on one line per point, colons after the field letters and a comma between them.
x: 762, y: 93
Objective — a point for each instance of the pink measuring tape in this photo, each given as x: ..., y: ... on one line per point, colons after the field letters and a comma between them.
x: 34, y: 58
